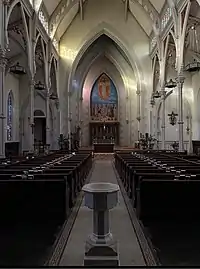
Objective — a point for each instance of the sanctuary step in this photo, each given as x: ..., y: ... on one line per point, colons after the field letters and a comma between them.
x: 103, y: 148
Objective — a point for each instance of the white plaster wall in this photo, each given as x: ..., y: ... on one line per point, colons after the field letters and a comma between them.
x: 195, y: 86
x: 171, y: 132
x: 40, y: 103
x: 100, y: 16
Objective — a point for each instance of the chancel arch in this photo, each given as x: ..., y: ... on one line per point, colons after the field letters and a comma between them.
x: 96, y: 70
x: 104, y: 56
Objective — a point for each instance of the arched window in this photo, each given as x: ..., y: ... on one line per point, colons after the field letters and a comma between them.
x: 10, y: 116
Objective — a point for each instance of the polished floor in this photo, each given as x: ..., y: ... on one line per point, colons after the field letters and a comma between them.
x: 130, y: 253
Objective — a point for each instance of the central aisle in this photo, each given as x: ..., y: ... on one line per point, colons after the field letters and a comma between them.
x: 121, y: 227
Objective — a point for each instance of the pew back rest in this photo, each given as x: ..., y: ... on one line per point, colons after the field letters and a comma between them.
x: 169, y: 198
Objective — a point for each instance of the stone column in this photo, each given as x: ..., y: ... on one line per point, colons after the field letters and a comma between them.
x: 48, y: 130
x: 81, y: 119
x: 3, y: 63
x: 69, y: 117
x: 190, y: 149
x: 101, y: 248
x: 138, y: 112
x: 163, y: 94
x: 180, y: 80
x: 31, y: 117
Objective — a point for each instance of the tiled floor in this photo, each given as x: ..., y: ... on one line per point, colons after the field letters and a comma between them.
x: 121, y: 227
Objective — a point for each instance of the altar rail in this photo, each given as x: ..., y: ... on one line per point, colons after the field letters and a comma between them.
x: 103, y: 141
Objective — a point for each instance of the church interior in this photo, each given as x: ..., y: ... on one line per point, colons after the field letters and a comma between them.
x: 99, y: 132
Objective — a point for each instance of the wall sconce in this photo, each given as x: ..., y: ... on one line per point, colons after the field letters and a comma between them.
x: 31, y: 124
x: 127, y: 121
x: 172, y: 118
x: 138, y: 118
x: 70, y: 116
x: 193, y: 66
x: 170, y: 84
x: 53, y: 96
x: 188, y: 128
x: 156, y: 94
x: 39, y: 86
x: 18, y: 69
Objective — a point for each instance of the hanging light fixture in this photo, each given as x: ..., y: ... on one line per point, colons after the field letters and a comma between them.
x: 172, y: 118
x: 193, y: 66
x: 170, y: 84
x: 53, y: 96
x: 39, y: 86
x: 17, y: 69
x: 156, y: 94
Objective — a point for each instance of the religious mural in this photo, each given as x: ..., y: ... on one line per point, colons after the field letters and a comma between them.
x: 103, y: 100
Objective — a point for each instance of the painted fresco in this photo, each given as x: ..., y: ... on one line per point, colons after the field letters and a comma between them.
x: 104, y: 100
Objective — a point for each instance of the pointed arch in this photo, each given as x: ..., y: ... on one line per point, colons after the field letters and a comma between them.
x: 114, y: 62
x: 10, y: 111
x: 105, y: 29
x: 12, y: 7
x: 103, y: 99
x: 53, y: 79
x: 37, y: 5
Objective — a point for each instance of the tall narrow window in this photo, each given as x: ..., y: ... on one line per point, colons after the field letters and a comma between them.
x: 10, y: 116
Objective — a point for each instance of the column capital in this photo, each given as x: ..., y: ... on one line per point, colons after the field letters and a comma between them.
x: 138, y: 92
x: 3, y: 59
x: 6, y: 2
x: 57, y: 103
x: 138, y: 118
x: 180, y: 79
x: 32, y: 82
x: 163, y: 91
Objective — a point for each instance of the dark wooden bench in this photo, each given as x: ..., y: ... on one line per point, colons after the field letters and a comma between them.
x: 168, y: 199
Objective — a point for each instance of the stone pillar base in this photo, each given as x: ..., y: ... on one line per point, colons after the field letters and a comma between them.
x: 99, y: 253
x: 101, y: 261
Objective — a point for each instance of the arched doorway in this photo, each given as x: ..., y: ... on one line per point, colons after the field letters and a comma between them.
x: 39, y: 127
x: 104, y: 111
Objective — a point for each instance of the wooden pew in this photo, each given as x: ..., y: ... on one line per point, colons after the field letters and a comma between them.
x: 44, y: 199
x: 168, y: 199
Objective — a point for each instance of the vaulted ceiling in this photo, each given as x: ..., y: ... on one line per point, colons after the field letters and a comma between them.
x: 139, y: 9
x: 52, y: 4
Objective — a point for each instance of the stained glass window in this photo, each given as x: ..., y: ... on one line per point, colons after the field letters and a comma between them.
x: 9, y: 116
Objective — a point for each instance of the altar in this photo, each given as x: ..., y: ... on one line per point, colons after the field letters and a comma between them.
x: 103, y: 147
